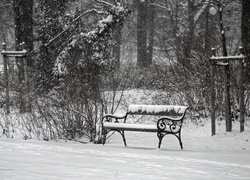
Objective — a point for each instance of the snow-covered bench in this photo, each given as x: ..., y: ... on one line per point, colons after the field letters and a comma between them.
x: 170, y: 119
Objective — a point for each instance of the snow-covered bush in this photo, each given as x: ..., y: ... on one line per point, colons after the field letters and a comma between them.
x: 180, y: 86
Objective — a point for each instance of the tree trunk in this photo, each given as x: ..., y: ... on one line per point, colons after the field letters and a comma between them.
x: 188, y: 39
x: 142, y: 7
x: 245, y: 76
x: 226, y: 74
x: 23, y: 17
x: 245, y: 33
x: 213, y: 97
x: 208, y: 33
x: 151, y: 29
x: 23, y: 20
x: 117, y: 46
x: 175, y: 23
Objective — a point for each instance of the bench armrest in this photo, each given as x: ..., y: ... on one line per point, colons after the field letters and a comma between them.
x: 114, y: 117
x: 171, y: 125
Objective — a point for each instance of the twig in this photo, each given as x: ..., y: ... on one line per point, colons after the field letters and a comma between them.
x: 139, y: 119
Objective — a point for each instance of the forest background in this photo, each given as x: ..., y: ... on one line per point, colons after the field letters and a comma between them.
x: 84, y: 55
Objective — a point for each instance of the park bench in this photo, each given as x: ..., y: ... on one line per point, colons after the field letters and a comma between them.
x: 169, y: 121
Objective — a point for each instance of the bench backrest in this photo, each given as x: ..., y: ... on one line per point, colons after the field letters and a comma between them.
x: 162, y: 110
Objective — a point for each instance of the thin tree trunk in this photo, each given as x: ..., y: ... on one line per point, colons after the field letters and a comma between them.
x: 6, y: 79
x: 241, y: 96
x: 190, y: 34
x: 175, y: 32
x: 151, y: 28
x: 212, y: 90
x: 117, y: 46
x: 226, y: 74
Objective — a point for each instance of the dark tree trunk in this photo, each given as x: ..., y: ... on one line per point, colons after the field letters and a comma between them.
x: 226, y: 73
x: 245, y: 75
x: 23, y: 17
x: 207, y: 34
x: 142, y: 7
x: 188, y: 39
x: 23, y: 20
x: 245, y: 31
x: 48, y: 26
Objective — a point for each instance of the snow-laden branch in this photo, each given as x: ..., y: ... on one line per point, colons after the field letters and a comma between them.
x: 105, y: 3
x: 161, y: 7
x: 94, y: 46
x: 200, y: 12
x: 5, y: 5
x: 74, y: 20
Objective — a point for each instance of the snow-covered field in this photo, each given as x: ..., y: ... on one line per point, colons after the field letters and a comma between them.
x: 224, y: 156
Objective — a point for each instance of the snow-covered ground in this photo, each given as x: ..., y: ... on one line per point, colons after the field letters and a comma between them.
x: 224, y: 156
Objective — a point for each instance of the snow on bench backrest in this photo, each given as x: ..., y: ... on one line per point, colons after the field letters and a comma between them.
x: 162, y: 110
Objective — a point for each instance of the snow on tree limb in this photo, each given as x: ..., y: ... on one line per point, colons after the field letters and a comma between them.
x: 161, y: 7
x: 203, y: 8
x: 74, y: 20
x: 95, y: 45
x: 5, y: 5
x: 105, y: 3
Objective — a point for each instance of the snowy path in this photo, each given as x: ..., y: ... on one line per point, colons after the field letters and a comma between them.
x: 223, y: 157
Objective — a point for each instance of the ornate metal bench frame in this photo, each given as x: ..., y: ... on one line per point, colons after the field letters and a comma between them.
x: 170, y: 122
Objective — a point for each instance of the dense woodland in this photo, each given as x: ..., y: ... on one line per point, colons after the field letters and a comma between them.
x: 78, y: 50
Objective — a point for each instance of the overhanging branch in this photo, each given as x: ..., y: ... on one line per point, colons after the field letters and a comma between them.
x: 74, y: 20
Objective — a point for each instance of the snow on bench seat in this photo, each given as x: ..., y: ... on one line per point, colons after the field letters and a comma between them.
x: 170, y: 110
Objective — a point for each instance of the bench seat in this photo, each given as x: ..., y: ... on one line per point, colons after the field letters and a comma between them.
x: 135, y: 127
x: 131, y: 127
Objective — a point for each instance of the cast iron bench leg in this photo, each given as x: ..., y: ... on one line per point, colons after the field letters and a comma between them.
x: 181, y: 145
x: 104, y: 133
x: 179, y: 138
x: 123, y: 137
x: 160, y: 136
